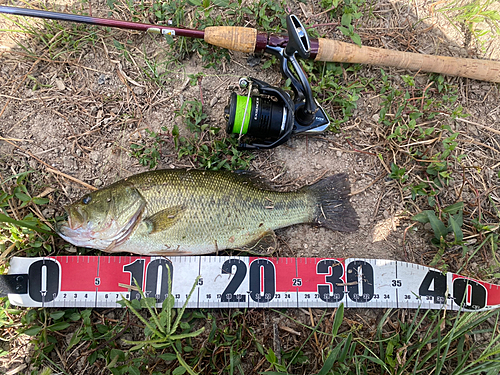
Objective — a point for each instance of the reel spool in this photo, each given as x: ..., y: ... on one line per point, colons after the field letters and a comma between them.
x: 271, y: 116
x: 268, y: 121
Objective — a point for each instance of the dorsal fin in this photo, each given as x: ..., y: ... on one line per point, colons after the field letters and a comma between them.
x: 255, y: 179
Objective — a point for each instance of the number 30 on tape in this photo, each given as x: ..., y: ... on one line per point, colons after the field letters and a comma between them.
x: 101, y: 281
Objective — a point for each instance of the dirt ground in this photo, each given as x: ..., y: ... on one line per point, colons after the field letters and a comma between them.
x: 92, y: 103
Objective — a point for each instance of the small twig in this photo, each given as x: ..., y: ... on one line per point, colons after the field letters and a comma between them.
x: 313, y: 324
x: 63, y: 361
x: 129, y: 287
x: 369, y: 185
x: 385, y: 165
x: 406, y: 230
x: 361, y: 151
x: 375, y: 211
x: 289, y: 330
x: 319, y: 178
x: 423, y: 96
x: 475, y: 124
x: 200, y: 78
x: 481, y: 233
x: 74, y: 179
x: 3, y: 255
x: 323, y: 24
x: 478, y: 143
x: 261, y: 362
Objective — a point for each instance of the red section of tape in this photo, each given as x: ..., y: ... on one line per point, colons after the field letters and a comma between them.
x: 71, y: 266
x: 285, y: 273
x: 310, y: 279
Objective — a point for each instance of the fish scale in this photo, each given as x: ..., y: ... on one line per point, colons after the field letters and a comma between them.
x: 220, y: 209
x: 196, y: 212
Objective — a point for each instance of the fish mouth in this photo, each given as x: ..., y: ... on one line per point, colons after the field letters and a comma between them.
x: 66, y: 223
x: 73, y: 219
x: 69, y: 230
x: 60, y: 225
x: 77, y: 233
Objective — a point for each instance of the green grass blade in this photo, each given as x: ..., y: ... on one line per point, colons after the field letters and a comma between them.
x: 181, y: 313
x: 183, y: 363
x: 327, y: 366
x: 142, y: 319
x: 339, y: 317
x: 186, y: 335
x: 144, y: 342
x: 24, y: 224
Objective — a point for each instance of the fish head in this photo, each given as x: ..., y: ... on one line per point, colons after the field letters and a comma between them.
x: 103, y: 219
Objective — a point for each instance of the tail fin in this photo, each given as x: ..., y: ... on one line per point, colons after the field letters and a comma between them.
x: 333, y: 209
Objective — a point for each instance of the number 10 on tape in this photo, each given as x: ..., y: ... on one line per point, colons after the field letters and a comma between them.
x: 254, y: 282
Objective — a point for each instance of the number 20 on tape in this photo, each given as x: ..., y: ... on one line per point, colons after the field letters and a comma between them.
x: 254, y: 282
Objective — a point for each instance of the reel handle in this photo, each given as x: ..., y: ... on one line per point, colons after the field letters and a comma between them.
x: 298, y: 40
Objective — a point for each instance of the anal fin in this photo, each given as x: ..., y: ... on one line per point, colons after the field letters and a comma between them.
x: 263, y: 246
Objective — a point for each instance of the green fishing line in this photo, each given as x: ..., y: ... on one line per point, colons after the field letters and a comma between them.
x: 241, y: 104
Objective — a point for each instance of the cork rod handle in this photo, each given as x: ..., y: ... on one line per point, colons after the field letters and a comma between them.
x: 483, y: 70
x: 241, y: 39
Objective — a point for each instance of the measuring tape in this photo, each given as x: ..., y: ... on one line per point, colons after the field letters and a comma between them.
x: 243, y: 282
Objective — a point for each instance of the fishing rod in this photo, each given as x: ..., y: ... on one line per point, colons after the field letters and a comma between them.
x: 272, y: 116
x: 245, y: 39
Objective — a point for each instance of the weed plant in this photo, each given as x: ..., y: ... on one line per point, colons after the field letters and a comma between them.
x: 206, y: 149
x: 22, y: 229
x: 337, y: 97
x: 148, y: 151
x: 348, y: 11
x: 478, y: 20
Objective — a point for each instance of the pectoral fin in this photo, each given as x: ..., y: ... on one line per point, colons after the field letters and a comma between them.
x: 164, y: 219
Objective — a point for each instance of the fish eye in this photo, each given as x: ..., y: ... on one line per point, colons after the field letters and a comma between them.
x: 86, y: 199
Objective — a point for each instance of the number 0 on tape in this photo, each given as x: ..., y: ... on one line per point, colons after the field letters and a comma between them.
x: 101, y: 281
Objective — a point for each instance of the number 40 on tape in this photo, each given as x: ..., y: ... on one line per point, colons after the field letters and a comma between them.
x: 253, y: 282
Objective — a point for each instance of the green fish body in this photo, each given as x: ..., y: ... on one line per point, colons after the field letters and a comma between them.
x: 168, y: 212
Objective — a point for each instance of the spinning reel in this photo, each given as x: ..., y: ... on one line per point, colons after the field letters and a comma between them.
x: 270, y: 117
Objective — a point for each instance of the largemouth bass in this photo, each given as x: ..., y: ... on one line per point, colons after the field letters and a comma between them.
x: 178, y: 212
